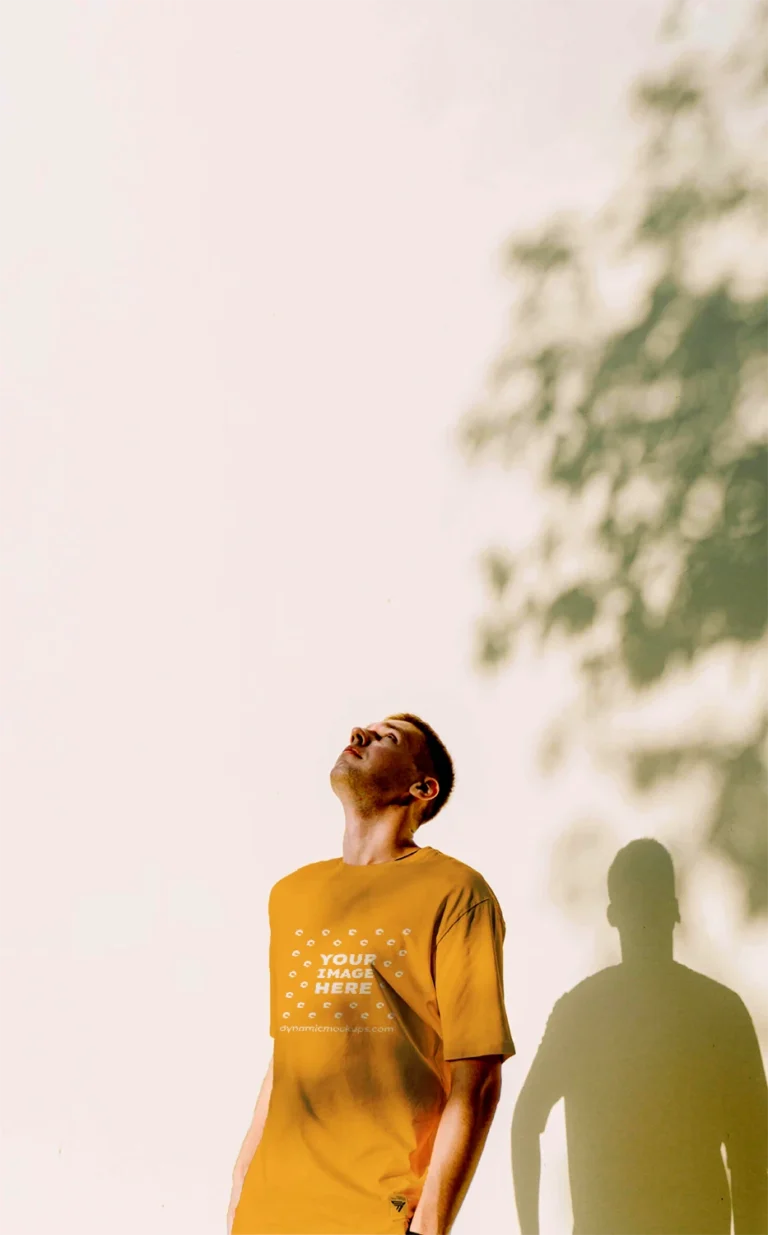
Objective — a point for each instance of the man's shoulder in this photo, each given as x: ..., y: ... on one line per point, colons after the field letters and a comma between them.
x: 462, y: 890
x: 465, y: 877
x: 307, y: 874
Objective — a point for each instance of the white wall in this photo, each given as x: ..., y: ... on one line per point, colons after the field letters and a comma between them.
x: 249, y: 286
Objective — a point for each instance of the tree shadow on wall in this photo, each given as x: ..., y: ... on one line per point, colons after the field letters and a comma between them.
x: 649, y: 438
x: 659, y: 1066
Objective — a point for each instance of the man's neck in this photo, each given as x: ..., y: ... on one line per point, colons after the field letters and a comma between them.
x: 368, y: 847
x: 382, y: 838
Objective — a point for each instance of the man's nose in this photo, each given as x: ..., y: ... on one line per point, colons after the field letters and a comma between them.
x: 360, y: 737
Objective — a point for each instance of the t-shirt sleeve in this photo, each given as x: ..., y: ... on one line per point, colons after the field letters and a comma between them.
x: 469, y: 983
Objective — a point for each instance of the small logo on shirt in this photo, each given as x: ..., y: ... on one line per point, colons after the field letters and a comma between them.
x: 398, y: 1202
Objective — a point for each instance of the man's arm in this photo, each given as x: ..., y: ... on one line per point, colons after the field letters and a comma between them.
x: 251, y: 1142
x: 459, y: 1142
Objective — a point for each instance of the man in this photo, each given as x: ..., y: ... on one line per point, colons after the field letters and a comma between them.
x: 387, y: 1010
x: 659, y: 1066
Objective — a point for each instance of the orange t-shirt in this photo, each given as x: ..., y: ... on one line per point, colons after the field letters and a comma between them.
x: 379, y: 975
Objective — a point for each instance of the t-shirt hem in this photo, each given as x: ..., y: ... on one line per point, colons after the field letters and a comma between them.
x: 476, y: 1052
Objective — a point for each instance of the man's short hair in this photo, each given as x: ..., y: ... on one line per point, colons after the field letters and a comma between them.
x: 435, y: 761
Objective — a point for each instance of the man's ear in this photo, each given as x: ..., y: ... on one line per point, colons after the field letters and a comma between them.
x: 426, y: 787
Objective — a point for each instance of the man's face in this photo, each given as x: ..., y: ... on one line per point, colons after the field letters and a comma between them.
x: 381, y: 762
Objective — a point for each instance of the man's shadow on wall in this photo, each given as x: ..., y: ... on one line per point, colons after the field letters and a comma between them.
x: 658, y: 1066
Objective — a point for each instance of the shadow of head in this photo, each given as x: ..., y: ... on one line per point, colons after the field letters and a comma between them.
x: 641, y: 890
